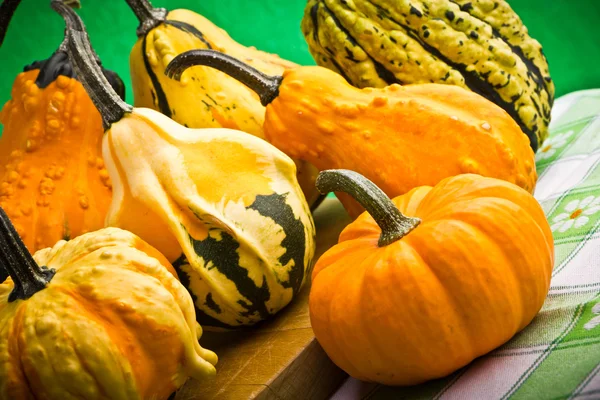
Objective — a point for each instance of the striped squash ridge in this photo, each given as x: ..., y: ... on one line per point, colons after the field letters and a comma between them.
x: 478, y: 45
x: 221, y: 251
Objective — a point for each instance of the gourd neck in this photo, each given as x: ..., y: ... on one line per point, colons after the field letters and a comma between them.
x: 7, y: 10
x: 28, y: 277
x: 266, y: 86
x: 83, y: 60
x: 394, y: 225
x: 149, y: 17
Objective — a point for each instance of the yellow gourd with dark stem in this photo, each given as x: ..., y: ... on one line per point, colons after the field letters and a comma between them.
x: 400, y: 137
x: 207, y: 98
x: 222, y: 205
x: 53, y: 183
x: 101, y: 316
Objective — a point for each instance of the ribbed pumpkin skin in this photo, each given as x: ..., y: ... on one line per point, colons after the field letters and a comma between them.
x: 481, y: 45
x: 206, y: 98
x: 471, y: 275
x: 113, y: 323
x: 399, y: 137
x: 222, y: 205
x: 53, y: 183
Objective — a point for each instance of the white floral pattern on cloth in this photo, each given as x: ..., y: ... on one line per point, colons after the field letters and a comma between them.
x: 552, y: 145
x: 594, y: 322
x: 577, y: 214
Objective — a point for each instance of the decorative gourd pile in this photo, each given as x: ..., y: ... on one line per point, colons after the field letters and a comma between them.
x: 210, y: 180
x: 480, y: 45
x: 224, y: 206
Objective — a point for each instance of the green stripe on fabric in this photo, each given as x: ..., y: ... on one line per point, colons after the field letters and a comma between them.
x: 545, y: 354
x: 568, y: 364
x: 581, y: 389
x: 554, y: 319
x: 558, y: 143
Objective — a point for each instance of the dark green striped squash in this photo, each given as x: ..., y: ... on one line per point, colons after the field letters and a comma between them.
x: 481, y: 45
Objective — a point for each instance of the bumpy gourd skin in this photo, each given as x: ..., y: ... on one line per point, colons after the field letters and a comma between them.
x: 53, y: 183
x: 222, y: 205
x: 481, y: 45
x: 113, y: 323
x: 473, y: 273
x: 205, y: 98
x: 399, y: 137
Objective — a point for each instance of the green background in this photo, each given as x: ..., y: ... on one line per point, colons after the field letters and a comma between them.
x: 569, y: 30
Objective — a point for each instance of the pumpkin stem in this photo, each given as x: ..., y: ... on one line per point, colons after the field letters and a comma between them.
x: 148, y: 16
x: 7, y: 9
x: 267, y: 87
x: 83, y: 59
x: 394, y: 225
x: 27, y: 276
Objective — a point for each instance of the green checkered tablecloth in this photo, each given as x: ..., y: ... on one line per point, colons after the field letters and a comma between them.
x: 558, y: 355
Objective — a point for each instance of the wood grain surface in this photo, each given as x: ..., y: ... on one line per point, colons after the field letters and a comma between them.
x: 279, y: 359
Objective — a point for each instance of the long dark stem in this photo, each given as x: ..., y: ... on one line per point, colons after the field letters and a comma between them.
x: 7, y: 9
x: 267, y: 87
x: 27, y: 276
x: 148, y: 16
x: 394, y: 225
x: 83, y: 59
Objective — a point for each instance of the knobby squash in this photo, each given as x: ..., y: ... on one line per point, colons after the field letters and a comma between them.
x: 400, y: 137
x: 222, y: 205
x: 480, y: 45
x: 207, y: 98
x: 100, y: 316
x: 419, y: 286
x: 53, y: 182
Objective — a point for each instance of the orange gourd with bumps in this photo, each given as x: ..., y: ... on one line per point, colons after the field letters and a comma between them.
x: 400, y: 137
x: 53, y: 183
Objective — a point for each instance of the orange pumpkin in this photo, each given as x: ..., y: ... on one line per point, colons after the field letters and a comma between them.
x: 402, y: 300
x: 53, y: 183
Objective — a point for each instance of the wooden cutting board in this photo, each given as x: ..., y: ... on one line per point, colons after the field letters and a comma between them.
x: 280, y: 359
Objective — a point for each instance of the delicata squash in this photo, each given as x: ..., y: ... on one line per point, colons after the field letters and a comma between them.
x: 223, y: 206
x: 101, y: 316
x: 53, y: 181
x: 400, y: 137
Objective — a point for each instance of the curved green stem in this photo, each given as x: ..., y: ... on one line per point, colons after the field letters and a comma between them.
x: 83, y: 59
x: 267, y: 87
x: 27, y: 276
x: 148, y: 16
x: 7, y: 10
x: 394, y: 225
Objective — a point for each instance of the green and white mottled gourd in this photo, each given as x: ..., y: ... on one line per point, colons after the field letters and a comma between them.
x: 481, y: 45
